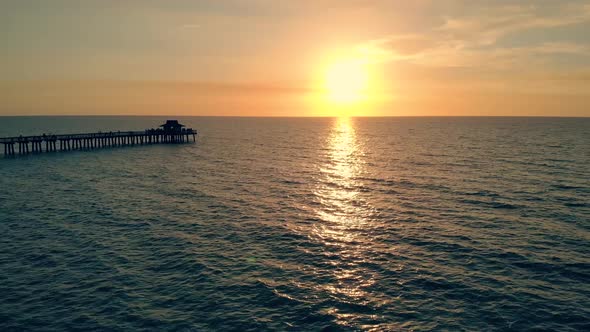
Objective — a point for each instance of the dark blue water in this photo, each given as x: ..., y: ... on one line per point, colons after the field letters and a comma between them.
x: 374, y: 224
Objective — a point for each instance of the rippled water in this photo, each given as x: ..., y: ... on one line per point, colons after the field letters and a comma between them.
x: 301, y: 224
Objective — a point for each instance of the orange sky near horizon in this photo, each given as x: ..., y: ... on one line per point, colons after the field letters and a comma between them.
x: 299, y: 58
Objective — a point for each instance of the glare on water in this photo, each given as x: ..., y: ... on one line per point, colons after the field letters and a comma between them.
x: 339, y: 188
x: 343, y: 213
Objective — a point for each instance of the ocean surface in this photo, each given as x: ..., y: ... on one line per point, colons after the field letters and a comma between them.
x: 302, y: 224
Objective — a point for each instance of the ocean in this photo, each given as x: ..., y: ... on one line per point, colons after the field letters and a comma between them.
x: 301, y: 224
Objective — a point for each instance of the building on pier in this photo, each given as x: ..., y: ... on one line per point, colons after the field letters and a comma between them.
x: 172, y: 126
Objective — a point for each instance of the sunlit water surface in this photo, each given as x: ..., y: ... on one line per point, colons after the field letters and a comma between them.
x: 373, y: 224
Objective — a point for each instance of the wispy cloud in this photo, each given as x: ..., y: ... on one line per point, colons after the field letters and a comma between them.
x: 473, y: 40
x: 190, y: 26
x: 488, y: 25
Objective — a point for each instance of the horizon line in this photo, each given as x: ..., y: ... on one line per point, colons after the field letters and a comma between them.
x: 298, y: 116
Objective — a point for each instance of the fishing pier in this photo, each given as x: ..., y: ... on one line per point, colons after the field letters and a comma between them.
x: 171, y: 132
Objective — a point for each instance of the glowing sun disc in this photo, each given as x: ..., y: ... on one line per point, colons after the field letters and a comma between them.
x: 346, y: 81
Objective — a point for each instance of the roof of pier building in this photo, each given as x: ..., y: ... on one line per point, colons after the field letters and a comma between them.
x: 172, y: 125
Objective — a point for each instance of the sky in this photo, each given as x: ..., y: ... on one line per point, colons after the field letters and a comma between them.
x: 270, y: 57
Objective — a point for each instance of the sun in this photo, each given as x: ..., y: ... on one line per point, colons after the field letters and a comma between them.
x: 346, y: 81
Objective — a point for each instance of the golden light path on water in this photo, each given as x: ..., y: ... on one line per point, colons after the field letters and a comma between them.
x: 337, y: 191
x: 345, y: 216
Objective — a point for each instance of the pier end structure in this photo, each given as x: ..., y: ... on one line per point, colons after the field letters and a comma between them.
x: 171, y: 132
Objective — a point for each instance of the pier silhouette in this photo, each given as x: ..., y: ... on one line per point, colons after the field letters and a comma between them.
x: 171, y: 132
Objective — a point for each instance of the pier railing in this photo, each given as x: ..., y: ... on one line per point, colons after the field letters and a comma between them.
x: 49, y: 142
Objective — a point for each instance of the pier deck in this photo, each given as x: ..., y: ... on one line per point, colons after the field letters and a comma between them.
x: 86, y: 141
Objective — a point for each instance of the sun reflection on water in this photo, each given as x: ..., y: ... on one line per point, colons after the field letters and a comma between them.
x: 338, y: 189
x: 345, y: 216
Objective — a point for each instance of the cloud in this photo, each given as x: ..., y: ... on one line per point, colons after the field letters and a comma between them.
x: 407, y: 45
x: 472, y: 39
x: 488, y: 25
x: 190, y: 26
x: 561, y: 48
